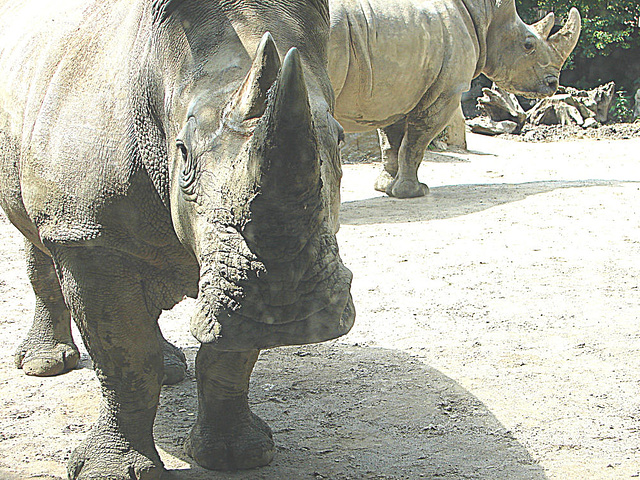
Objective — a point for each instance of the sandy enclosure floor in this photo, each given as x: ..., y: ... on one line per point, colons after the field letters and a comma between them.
x: 497, y: 334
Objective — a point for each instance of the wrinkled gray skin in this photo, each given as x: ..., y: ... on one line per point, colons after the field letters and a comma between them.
x: 145, y: 157
x: 401, y: 66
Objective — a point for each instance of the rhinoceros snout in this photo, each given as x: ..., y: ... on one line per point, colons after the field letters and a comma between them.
x: 551, y: 82
x: 246, y: 301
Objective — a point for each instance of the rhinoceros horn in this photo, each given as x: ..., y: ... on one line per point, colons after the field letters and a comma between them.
x: 250, y: 100
x: 286, y: 139
x: 566, y: 38
x: 544, y: 26
x: 286, y: 212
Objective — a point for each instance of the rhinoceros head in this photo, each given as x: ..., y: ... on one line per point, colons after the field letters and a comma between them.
x: 252, y: 200
x: 526, y: 59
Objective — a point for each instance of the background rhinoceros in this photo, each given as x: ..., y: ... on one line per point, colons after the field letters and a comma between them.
x: 145, y: 157
x: 402, y: 65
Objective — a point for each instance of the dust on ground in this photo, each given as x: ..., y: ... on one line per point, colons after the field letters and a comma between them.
x: 497, y: 334
x: 555, y: 133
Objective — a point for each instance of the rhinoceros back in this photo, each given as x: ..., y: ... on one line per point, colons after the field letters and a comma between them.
x: 374, y: 47
x: 32, y: 42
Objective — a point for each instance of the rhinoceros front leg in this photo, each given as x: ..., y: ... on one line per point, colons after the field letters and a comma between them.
x: 422, y: 126
x: 105, y: 294
x: 227, y: 435
x: 390, y: 139
x: 412, y: 147
x: 48, y: 348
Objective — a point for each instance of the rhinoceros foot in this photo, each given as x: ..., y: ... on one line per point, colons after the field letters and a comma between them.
x: 43, y: 360
x: 242, y: 443
x: 105, y: 455
x: 383, y: 181
x: 175, y: 364
x: 406, y: 188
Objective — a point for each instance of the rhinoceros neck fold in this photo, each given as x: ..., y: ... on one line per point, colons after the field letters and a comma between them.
x: 481, y: 14
x: 148, y: 141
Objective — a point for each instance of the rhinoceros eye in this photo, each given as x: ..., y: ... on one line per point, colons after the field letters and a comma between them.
x: 529, y: 45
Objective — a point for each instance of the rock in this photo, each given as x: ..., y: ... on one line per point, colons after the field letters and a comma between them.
x: 486, y: 126
x: 569, y: 106
x: 455, y: 134
x: 501, y: 105
x: 597, y: 100
x: 470, y: 98
x: 574, y: 107
x: 636, y: 108
x: 603, y: 96
x: 560, y: 109
x: 590, y: 123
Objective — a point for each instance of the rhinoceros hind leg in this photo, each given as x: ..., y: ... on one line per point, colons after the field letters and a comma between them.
x: 227, y: 435
x: 48, y: 348
x: 407, y: 188
x: 414, y: 143
x: 175, y: 363
x: 383, y: 181
x: 390, y: 139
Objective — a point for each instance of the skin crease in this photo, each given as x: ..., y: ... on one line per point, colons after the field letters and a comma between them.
x: 446, y: 44
x: 145, y: 157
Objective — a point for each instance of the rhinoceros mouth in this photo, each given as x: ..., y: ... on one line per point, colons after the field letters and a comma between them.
x: 545, y: 88
x: 541, y: 92
x: 275, y: 305
x: 234, y: 331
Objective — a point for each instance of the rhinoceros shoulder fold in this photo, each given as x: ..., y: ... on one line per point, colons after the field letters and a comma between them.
x: 73, y: 115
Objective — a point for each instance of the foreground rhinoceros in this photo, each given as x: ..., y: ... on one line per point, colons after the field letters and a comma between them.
x: 145, y: 157
x: 402, y: 65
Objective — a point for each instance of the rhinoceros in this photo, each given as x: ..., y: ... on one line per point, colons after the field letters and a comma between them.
x: 156, y: 149
x: 401, y: 66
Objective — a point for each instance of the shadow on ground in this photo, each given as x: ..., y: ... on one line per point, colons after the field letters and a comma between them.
x: 349, y: 412
x: 450, y: 201
x: 451, y: 156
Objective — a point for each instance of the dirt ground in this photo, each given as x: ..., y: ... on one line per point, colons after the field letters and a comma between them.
x: 554, y: 133
x: 497, y: 334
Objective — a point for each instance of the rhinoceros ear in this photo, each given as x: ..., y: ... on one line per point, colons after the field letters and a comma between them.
x: 566, y: 38
x: 544, y: 26
x: 505, y: 9
x: 250, y: 100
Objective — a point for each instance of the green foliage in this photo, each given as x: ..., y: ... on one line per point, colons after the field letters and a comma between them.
x: 621, y: 108
x: 606, y: 24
